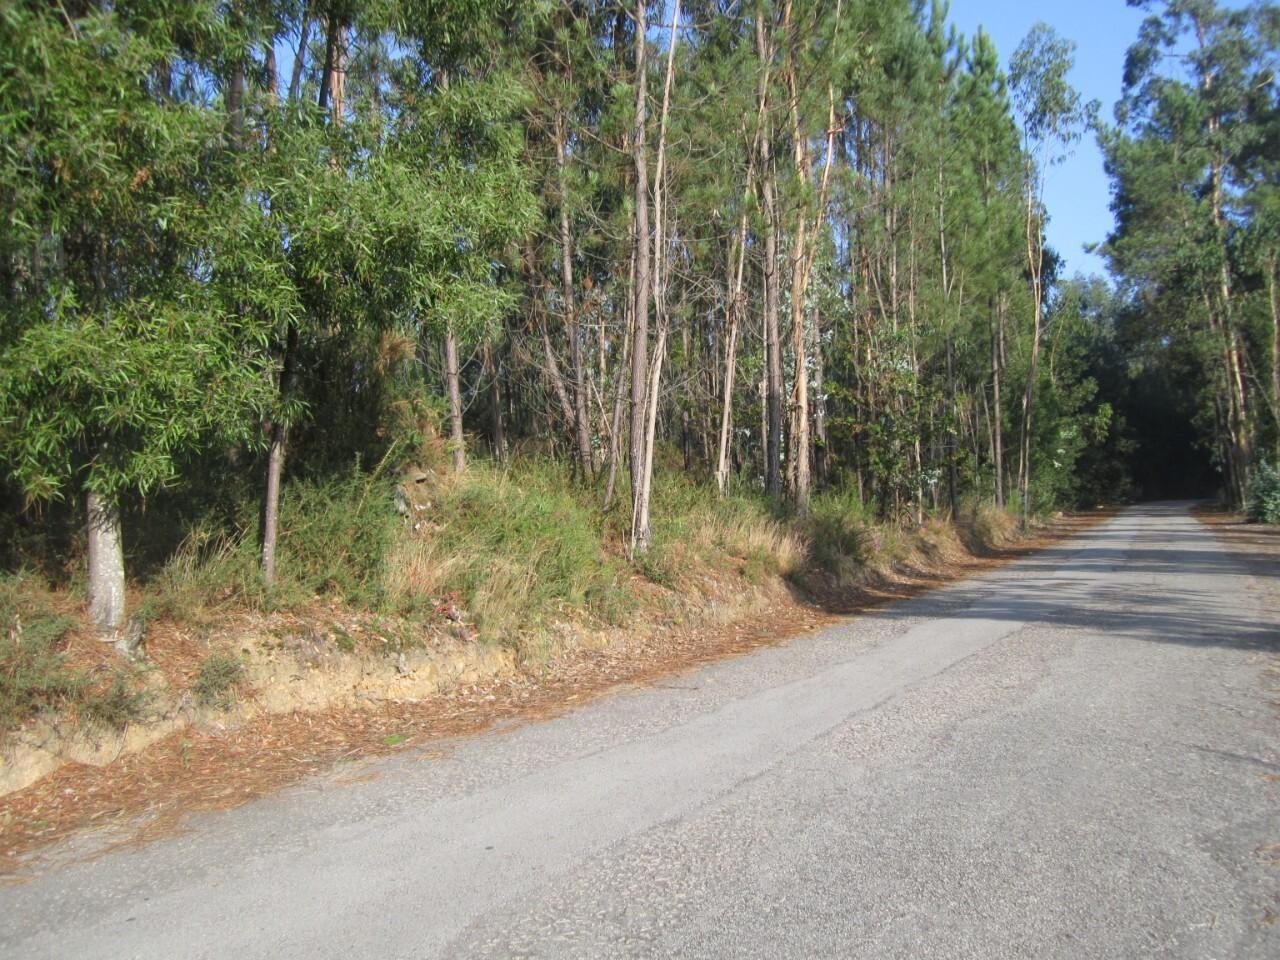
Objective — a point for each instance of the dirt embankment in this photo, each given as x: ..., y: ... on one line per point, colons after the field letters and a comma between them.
x: 307, y: 704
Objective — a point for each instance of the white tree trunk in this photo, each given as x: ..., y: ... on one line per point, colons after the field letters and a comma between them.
x: 106, y: 564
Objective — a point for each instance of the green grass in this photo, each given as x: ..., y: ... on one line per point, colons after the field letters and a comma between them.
x: 516, y: 548
x: 334, y: 540
x: 840, y: 535
x: 216, y: 683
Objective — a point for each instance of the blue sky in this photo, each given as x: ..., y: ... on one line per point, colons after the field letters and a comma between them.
x: 1077, y: 193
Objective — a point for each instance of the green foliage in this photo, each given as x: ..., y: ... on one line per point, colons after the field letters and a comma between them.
x: 336, y: 535
x: 838, y: 530
x: 119, y: 354
x: 216, y: 683
x: 1192, y: 161
x: 196, y: 254
x: 522, y: 547
x: 1264, y: 494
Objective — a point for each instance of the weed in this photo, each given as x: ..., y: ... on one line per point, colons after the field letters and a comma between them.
x: 117, y: 706
x: 346, y: 643
x: 655, y: 566
x: 839, y: 535
x: 215, y: 685
x: 34, y: 676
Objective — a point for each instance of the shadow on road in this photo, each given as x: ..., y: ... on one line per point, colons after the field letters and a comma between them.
x: 1151, y: 574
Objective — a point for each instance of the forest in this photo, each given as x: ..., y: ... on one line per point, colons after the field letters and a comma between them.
x: 533, y: 293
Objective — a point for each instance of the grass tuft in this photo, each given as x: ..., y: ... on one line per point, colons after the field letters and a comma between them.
x: 34, y: 676
x: 216, y: 683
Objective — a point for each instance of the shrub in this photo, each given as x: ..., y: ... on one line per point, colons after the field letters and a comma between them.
x: 1264, y: 494
x: 335, y: 537
x: 34, y: 676
x: 516, y: 547
x: 216, y: 683
x: 992, y: 526
x: 116, y: 705
x: 838, y: 531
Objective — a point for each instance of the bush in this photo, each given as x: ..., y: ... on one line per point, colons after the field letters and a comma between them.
x: 335, y: 537
x: 838, y: 531
x: 116, y: 705
x: 516, y: 548
x: 1264, y: 495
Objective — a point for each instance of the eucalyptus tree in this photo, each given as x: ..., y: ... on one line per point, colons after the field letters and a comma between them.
x: 992, y: 220
x: 1197, y: 83
x: 1053, y: 117
x: 119, y: 356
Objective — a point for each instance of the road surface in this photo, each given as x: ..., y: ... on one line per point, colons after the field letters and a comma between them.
x: 1073, y: 756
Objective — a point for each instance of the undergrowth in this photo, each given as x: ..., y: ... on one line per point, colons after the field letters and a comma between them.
x: 508, y: 552
x: 1264, y: 494
x: 216, y: 683
x: 35, y: 677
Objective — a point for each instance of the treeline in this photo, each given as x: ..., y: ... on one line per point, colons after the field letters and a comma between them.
x: 779, y: 245
x: 1195, y: 159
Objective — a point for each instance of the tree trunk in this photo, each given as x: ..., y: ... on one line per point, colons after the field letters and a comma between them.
x: 773, y: 346
x: 997, y: 412
x: 734, y: 299
x: 300, y: 60
x: 497, y: 429
x: 457, y: 441
x: 640, y: 533
x: 279, y: 428
x: 333, y: 84
x: 615, y: 432
x: 1275, y: 345
x: 772, y: 340
x: 557, y: 381
x: 615, y: 422
x: 726, y: 409
x: 1035, y: 266
x: 581, y: 426
x: 106, y: 563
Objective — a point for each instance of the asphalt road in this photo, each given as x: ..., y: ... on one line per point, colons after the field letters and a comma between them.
x: 1074, y: 756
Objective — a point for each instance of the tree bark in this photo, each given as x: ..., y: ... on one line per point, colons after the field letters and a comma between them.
x: 997, y: 412
x: 300, y: 59
x: 496, y: 426
x: 456, y: 437
x: 581, y: 425
x: 333, y: 86
x: 1035, y: 266
x: 798, y: 445
x: 615, y: 431
x: 772, y: 340
x: 735, y: 302
x: 640, y: 533
x: 1274, y: 301
x: 279, y: 428
x: 106, y: 563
